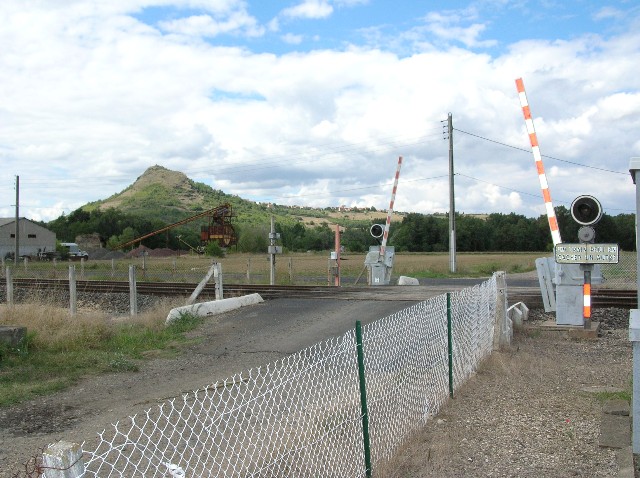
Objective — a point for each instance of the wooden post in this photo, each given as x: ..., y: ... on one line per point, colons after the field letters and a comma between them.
x: 501, y: 332
x: 133, y: 291
x: 73, y: 296
x: 211, y: 272
x: 217, y: 277
x: 9, y: 286
x: 63, y: 460
x: 290, y: 270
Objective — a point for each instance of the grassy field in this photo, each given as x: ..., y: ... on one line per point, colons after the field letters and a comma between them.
x: 311, y: 267
x: 304, y: 267
x: 56, y: 353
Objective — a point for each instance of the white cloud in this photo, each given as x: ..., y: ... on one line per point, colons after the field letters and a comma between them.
x: 92, y: 96
x: 207, y: 26
x: 313, y: 9
x: 448, y: 26
x: 292, y: 39
x: 608, y: 12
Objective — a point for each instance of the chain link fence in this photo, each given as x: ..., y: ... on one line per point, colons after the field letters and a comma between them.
x: 238, y: 269
x: 304, y: 414
x: 622, y: 275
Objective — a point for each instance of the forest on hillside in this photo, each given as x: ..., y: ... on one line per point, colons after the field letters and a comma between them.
x: 413, y: 233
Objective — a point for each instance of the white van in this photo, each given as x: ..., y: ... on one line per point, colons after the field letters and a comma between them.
x: 74, y: 250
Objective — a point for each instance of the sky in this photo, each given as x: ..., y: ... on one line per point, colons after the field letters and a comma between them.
x: 312, y: 102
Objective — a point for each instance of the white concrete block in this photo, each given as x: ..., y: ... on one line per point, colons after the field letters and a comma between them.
x: 518, y: 313
x: 214, y: 307
x: 515, y: 315
x: 634, y: 325
x: 404, y: 280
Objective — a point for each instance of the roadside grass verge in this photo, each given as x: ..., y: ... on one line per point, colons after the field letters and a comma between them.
x: 59, y: 349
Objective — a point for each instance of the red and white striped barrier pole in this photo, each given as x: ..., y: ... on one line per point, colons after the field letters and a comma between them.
x: 551, y: 215
x: 385, y: 235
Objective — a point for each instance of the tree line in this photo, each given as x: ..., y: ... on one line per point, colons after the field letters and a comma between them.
x: 415, y: 233
x: 505, y: 232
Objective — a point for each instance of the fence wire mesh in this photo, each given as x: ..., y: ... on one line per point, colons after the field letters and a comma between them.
x: 251, y: 270
x: 301, y: 416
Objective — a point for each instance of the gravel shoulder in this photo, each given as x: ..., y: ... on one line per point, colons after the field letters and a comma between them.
x: 530, y: 411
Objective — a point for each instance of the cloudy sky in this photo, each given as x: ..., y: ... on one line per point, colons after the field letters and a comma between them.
x: 311, y: 102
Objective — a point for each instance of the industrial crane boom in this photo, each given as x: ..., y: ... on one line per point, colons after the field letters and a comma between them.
x: 221, y: 211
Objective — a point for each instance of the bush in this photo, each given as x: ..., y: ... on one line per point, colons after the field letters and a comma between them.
x: 213, y: 249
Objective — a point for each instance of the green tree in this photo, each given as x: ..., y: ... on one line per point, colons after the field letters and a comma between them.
x: 252, y: 239
x: 213, y: 249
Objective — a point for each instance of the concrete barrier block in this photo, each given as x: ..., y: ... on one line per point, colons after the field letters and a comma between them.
x: 518, y: 313
x: 515, y: 315
x: 12, y: 335
x: 404, y: 280
x: 525, y: 311
x: 204, y: 309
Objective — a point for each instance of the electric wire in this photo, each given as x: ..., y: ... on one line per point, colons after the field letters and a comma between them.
x: 543, y: 155
x: 561, y: 201
x: 268, y: 162
x: 373, y: 186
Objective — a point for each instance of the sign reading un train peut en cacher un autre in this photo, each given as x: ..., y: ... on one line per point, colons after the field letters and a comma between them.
x: 587, y: 253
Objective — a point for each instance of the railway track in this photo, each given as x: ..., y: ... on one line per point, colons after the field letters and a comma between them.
x: 601, y: 297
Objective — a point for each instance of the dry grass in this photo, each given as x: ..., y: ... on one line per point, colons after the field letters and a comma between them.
x: 59, y: 348
x: 415, y: 265
x: 291, y: 268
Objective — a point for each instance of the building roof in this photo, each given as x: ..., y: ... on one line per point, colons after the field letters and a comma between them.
x: 10, y: 220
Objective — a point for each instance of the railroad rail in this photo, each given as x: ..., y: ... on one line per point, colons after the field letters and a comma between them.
x: 601, y: 297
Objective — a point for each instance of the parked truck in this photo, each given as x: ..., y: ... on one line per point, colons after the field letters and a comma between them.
x: 74, y: 251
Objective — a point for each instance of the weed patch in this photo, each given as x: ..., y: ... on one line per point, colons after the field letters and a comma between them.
x: 59, y: 350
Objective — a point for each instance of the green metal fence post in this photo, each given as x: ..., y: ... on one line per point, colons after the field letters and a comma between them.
x: 450, y: 344
x: 363, y: 400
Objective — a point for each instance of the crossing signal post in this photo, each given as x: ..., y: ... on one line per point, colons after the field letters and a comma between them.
x: 379, y: 267
x: 586, y: 256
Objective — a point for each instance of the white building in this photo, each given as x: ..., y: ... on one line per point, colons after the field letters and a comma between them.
x: 33, y: 238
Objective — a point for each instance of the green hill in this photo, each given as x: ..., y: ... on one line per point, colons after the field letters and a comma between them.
x: 161, y: 197
x: 170, y: 196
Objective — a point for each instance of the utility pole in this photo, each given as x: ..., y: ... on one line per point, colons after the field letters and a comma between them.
x: 17, y: 253
x: 452, y: 201
x: 272, y: 252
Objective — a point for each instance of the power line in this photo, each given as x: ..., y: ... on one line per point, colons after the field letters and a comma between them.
x: 523, y: 192
x: 373, y: 186
x: 312, y: 156
x: 545, y: 156
x: 268, y: 162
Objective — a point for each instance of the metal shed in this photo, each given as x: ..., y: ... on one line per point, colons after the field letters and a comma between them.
x: 33, y: 237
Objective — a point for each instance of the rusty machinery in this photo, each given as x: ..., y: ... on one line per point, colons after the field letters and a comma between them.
x: 219, y: 228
